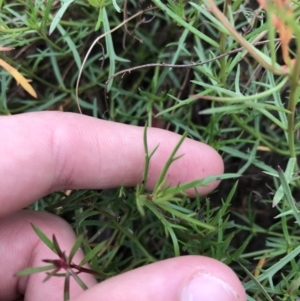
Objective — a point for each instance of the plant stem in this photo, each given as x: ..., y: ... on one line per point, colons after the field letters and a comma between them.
x: 223, y: 59
x: 294, y: 94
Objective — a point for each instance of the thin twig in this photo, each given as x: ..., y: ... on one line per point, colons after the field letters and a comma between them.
x: 165, y: 65
x: 126, y: 28
x: 93, y: 45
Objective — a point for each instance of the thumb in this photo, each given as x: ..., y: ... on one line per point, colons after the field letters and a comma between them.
x: 186, y: 278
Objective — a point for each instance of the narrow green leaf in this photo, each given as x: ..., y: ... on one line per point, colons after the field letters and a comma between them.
x: 93, y: 261
x: 234, y: 97
x: 224, y: 109
x: 46, y: 14
x: 274, y: 269
x: 47, y: 241
x: 71, y: 45
x: 287, y: 192
x: 57, y: 248
x: 174, y: 240
x: 187, y: 218
x: 79, y: 281
x: 288, y: 176
x: 250, y: 159
x: 59, y: 15
x: 93, y: 253
x: 67, y: 287
x: 266, y: 112
x: 171, y: 159
x: 75, y: 247
x: 201, y: 182
x: 57, y: 71
x: 30, y: 271
x: 188, y: 26
x: 110, y: 47
x: 214, y: 21
x: 257, y: 283
x: 116, y: 6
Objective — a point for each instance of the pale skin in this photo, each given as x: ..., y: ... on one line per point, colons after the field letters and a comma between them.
x: 51, y: 151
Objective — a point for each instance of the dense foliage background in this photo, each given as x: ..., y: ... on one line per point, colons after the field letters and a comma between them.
x: 194, y: 76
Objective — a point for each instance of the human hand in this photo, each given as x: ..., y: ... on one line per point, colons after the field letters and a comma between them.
x: 49, y: 151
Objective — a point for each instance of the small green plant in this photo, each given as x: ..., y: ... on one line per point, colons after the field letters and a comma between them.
x: 164, y: 203
x: 63, y: 266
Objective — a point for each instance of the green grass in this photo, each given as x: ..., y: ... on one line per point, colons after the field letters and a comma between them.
x: 240, y: 102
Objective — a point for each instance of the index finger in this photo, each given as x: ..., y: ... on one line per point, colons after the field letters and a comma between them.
x: 49, y: 151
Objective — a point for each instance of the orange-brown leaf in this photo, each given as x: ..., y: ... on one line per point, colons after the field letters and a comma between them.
x: 262, y: 3
x: 20, y: 79
x: 5, y: 48
x: 285, y: 35
x: 286, y: 67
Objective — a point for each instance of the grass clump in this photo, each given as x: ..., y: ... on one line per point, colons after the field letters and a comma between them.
x: 239, y: 93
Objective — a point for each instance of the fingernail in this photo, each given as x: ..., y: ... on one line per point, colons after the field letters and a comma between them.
x: 204, y: 286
